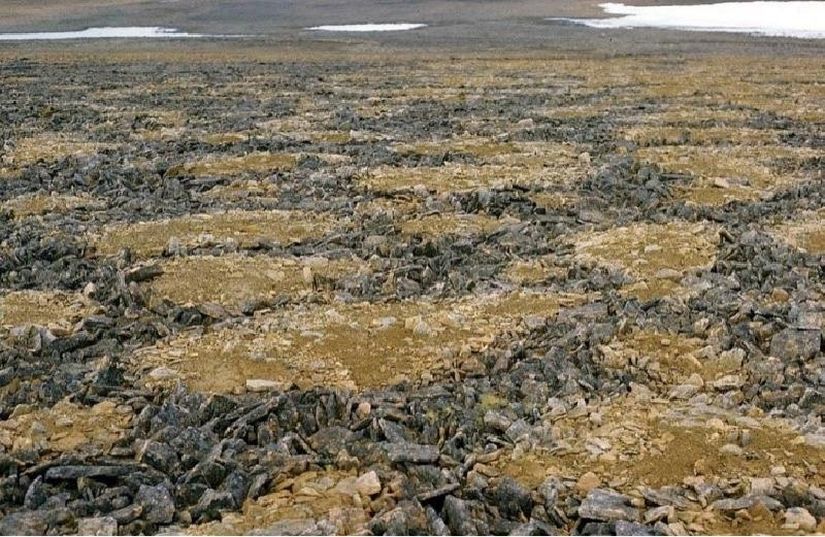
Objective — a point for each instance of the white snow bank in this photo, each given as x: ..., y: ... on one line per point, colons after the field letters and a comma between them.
x: 99, y: 33
x: 781, y: 19
x: 369, y: 27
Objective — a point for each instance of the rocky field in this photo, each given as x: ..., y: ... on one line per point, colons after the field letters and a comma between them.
x: 411, y: 294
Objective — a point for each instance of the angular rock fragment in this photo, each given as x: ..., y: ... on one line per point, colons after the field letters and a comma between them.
x: 606, y: 505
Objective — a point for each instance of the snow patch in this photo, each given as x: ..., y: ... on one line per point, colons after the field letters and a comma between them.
x: 102, y: 33
x: 778, y: 19
x: 369, y: 27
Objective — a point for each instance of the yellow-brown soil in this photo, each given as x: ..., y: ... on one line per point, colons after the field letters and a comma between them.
x: 353, y: 345
x: 150, y: 238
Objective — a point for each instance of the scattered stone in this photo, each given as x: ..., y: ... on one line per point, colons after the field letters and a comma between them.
x: 163, y: 373
x: 607, y: 505
x: 798, y: 518
x: 512, y: 498
x: 405, y: 325
x: 411, y: 453
x: 158, y: 504
x: 97, y: 526
x: 263, y: 385
x: 211, y: 504
x: 793, y: 344
x: 368, y: 484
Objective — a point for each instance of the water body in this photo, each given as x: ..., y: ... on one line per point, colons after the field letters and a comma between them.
x: 102, y: 33
x: 395, y: 27
x: 779, y: 19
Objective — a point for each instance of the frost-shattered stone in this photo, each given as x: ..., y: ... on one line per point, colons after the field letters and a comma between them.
x: 407, y: 452
x: 368, y: 484
x: 24, y: 523
x: 158, y: 504
x: 607, y: 505
x: 97, y: 526
x: 791, y: 344
x: 211, y: 504
x: 512, y: 498
x: 799, y: 518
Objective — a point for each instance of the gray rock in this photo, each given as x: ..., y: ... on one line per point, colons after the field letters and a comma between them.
x: 496, y: 421
x: 593, y: 310
x: 458, y: 517
x: 798, y: 517
x: 290, y: 526
x: 392, y: 430
x: 746, y: 502
x: 160, y: 456
x: 331, y: 440
x: 97, y: 526
x: 790, y: 344
x: 401, y: 452
x: 598, y: 528
x: 23, y: 523
x: 127, y: 514
x: 211, y: 504
x: 533, y: 527
x: 666, y: 496
x: 408, y: 518
x: 512, y: 499
x: 237, y: 484
x: 631, y: 528
x: 6, y: 375
x: 436, y: 525
x: 36, y: 494
x: 78, y: 471
x: 683, y: 391
x: 606, y: 505
x: 158, y: 504
x: 142, y: 274
x: 519, y: 429
x: 810, y: 319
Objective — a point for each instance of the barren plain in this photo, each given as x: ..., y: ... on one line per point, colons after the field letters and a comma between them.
x: 375, y: 287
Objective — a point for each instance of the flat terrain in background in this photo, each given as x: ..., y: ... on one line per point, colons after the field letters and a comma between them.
x: 498, y: 275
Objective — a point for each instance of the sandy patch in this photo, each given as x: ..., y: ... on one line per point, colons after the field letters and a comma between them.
x: 39, y: 204
x: 66, y: 427
x: 233, y: 279
x: 245, y: 227
x: 806, y: 232
x: 657, y: 256
x: 455, y: 224
x: 352, y: 345
x: 43, y: 308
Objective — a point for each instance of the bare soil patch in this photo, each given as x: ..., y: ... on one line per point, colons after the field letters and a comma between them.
x: 44, y: 308
x: 656, y: 255
x: 355, y: 345
x: 151, y: 238
x: 233, y: 279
